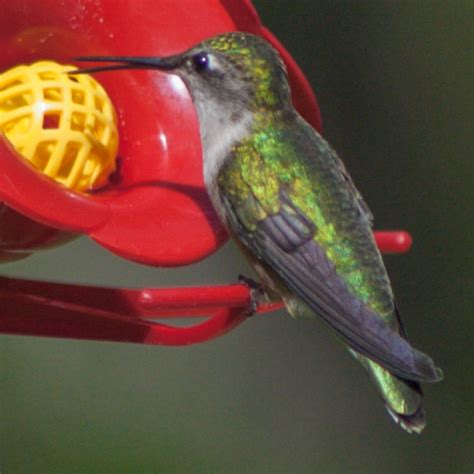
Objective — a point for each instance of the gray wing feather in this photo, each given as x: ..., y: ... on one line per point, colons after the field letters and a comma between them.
x: 284, y: 242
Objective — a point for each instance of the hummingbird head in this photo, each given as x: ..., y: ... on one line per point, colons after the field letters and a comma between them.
x: 232, y: 78
x: 238, y: 71
x: 230, y: 75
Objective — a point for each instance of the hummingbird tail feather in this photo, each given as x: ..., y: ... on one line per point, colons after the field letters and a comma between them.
x: 403, y: 398
x: 414, y: 423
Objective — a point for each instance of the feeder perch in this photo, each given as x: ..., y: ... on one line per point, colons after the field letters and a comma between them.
x: 145, y: 210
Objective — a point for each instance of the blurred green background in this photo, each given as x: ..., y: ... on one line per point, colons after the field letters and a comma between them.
x: 394, y: 81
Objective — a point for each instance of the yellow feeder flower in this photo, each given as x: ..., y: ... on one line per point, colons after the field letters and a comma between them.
x: 64, y: 125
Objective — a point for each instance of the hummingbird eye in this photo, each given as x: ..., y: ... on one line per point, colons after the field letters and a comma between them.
x: 201, y: 62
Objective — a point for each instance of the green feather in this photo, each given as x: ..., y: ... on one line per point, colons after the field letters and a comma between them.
x: 275, y: 156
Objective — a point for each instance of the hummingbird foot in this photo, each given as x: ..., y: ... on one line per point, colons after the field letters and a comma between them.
x: 257, y: 294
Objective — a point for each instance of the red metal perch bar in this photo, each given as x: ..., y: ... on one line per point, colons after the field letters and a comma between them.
x: 36, y: 308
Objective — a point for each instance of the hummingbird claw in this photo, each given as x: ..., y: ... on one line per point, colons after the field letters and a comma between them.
x: 257, y: 294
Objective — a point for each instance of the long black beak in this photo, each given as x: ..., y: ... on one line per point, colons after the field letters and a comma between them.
x: 128, y: 62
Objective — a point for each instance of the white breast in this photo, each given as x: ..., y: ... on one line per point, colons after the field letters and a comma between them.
x: 218, y: 135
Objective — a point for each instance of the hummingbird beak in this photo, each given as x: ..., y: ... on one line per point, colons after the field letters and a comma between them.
x: 167, y: 63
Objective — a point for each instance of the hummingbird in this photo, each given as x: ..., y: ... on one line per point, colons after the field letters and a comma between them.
x: 287, y: 199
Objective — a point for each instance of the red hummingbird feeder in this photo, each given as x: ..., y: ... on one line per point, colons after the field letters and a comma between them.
x: 157, y: 194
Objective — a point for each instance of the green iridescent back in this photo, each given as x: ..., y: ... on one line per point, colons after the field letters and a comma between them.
x: 284, y: 152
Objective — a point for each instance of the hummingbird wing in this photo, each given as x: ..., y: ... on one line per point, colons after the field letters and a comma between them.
x: 283, y: 241
x: 259, y: 204
x: 364, y: 208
